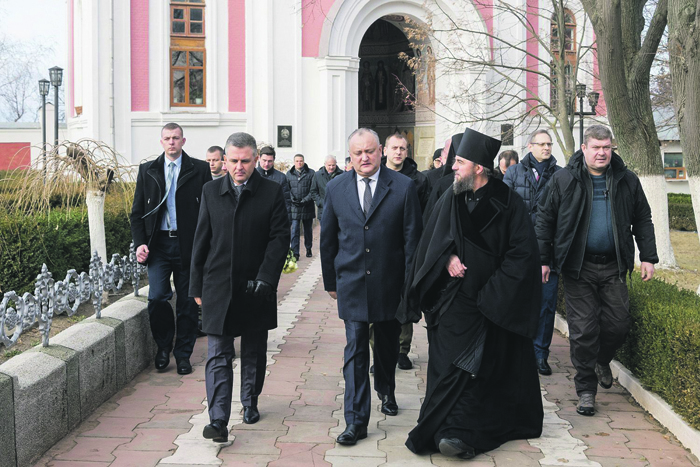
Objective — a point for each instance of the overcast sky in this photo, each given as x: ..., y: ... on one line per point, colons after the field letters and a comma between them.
x: 41, y: 21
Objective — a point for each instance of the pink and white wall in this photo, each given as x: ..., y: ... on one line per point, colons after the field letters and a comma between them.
x: 269, y: 63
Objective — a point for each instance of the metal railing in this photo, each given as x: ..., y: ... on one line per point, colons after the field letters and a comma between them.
x: 51, y: 298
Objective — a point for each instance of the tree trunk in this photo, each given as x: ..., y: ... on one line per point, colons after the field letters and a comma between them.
x: 625, y: 63
x: 95, y: 200
x: 684, y: 57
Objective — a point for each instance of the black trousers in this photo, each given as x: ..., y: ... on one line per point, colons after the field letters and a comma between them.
x: 164, y: 260
x: 356, y: 366
x: 597, y: 311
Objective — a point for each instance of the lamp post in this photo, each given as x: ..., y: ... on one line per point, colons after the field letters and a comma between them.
x: 43, y: 91
x: 592, y: 101
x: 56, y: 76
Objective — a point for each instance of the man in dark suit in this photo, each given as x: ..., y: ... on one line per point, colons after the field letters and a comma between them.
x: 369, y: 231
x: 163, y: 217
x: 239, y: 250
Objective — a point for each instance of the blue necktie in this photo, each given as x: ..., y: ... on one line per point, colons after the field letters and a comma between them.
x: 170, y: 196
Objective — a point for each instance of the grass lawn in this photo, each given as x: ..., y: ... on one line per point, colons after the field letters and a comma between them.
x: 686, y: 247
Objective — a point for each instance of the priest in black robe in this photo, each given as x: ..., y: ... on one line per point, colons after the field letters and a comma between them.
x: 476, y: 279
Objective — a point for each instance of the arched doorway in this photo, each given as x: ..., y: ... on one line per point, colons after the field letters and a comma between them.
x: 393, y: 97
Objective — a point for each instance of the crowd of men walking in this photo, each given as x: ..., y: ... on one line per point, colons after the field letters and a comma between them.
x: 473, y: 248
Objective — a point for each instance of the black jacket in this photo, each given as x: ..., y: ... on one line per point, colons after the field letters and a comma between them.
x: 564, y: 217
x: 277, y: 176
x: 236, y: 242
x: 522, y: 180
x: 300, y: 191
x: 150, y: 189
x: 410, y: 169
x: 318, y: 186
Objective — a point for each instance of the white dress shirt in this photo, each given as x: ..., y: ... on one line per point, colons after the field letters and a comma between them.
x: 372, y: 186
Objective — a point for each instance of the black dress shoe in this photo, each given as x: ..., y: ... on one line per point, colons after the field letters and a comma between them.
x: 453, y: 447
x: 216, y: 431
x: 162, y: 359
x: 250, y: 415
x: 404, y: 362
x: 308, y: 253
x: 352, y: 434
x: 184, y: 367
x: 543, y: 367
x: 389, y: 406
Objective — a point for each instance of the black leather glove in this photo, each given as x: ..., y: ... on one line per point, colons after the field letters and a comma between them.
x: 259, y: 289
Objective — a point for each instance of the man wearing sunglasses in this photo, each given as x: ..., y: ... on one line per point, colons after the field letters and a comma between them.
x: 529, y: 179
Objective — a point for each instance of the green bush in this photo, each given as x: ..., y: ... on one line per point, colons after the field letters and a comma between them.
x: 60, y: 239
x: 680, y: 212
x: 663, y: 347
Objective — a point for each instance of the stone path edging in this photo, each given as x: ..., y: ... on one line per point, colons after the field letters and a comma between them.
x: 651, y: 402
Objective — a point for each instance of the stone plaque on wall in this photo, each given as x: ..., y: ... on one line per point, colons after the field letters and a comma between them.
x: 284, y: 136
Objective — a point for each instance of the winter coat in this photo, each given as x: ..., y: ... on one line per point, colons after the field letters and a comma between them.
x: 300, y: 192
x: 318, y: 186
x: 564, y: 216
x: 410, y: 169
x: 150, y: 189
x: 521, y: 178
x: 277, y: 176
x: 239, y: 241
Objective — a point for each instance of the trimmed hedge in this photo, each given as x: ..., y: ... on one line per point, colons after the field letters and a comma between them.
x: 60, y: 239
x: 663, y: 346
x: 680, y: 212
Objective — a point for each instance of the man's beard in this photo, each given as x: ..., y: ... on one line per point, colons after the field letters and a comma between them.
x: 463, y: 184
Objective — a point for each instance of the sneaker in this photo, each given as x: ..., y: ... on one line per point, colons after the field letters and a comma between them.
x: 586, y: 404
x: 604, y: 374
x: 404, y: 362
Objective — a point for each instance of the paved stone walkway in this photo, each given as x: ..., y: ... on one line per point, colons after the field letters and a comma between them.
x: 158, y: 419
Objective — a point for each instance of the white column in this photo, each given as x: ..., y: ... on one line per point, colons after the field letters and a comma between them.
x: 339, y: 101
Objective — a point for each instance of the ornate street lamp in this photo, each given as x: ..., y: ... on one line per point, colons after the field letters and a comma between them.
x: 592, y: 101
x: 43, y: 91
x: 56, y: 76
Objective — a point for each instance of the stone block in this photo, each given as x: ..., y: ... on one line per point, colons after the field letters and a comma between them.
x: 40, y: 405
x: 7, y: 423
x: 119, y: 346
x: 70, y: 358
x: 95, y: 345
x: 139, y: 346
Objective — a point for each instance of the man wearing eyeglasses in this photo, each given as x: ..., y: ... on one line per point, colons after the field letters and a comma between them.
x: 529, y: 179
x: 585, y: 226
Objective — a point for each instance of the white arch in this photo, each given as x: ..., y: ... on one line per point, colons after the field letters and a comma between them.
x: 347, y: 21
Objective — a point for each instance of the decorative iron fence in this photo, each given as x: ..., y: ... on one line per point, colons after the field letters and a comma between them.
x: 51, y: 298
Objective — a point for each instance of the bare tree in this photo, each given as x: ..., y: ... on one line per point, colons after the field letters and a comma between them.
x: 684, y: 57
x: 19, y: 74
x: 626, y: 50
x: 498, y: 89
x: 70, y: 171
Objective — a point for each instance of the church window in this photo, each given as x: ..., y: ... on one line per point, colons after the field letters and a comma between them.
x: 187, y: 54
x: 569, y: 48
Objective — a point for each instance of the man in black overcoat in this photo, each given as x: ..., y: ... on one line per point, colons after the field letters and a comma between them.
x: 369, y: 231
x: 476, y: 279
x: 239, y: 250
x: 163, y: 217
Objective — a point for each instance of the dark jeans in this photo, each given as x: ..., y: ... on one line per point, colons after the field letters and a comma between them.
x: 219, y: 372
x: 597, y: 310
x: 164, y: 260
x: 308, y: 234
x: 356, y: 366
x: 545, y: 326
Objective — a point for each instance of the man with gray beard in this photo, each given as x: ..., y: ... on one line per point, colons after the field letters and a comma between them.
x: 476, y: 279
